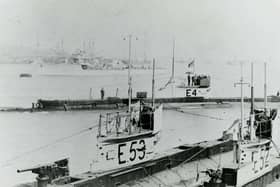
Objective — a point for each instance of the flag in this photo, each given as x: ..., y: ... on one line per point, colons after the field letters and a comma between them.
x: 191, y: 64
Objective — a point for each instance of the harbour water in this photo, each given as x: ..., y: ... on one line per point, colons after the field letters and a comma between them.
x: 66, y: 81
x: 28, y: 139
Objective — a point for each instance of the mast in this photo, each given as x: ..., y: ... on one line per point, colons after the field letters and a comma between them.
x: 240, y: 137
x: 37, y: 40
x: 252, y: 115
x: 62, y: 45
x: 129, y: 82
x: 241, y: 83
x: 242, y: 101
x: 173, y: 61
x: 153, y: 84
x: 252, y: 88
x: 84, y: 45
x: 129, y: 78
x: 265, y: 89
x: 173, y: 70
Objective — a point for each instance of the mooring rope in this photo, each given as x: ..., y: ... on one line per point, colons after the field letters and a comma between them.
x: 154, y: 177
x: 8, y: 162
x: 178, y: 109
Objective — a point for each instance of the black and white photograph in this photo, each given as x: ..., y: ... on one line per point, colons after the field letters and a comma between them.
x: 130, y: 93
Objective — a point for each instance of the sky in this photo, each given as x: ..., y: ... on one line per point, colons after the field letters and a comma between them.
x: 224, y: 29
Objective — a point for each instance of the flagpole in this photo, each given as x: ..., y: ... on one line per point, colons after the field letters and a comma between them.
x: 193, y: 66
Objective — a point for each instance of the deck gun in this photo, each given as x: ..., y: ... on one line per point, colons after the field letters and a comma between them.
x: 49, y: 172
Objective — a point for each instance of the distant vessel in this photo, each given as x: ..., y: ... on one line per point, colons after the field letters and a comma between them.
x: 89, y: 62
x: 96, y: 65
x: 251, y: 155
x: 82, y: 58
x: 25, y: 75
x: 274, y: 98
x: 86, y: 66
x: 196, y: 85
